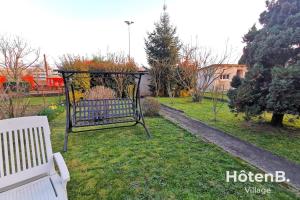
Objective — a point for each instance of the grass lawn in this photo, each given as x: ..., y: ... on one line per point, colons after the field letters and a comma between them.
x: 39, y: 101
x: 123, y: 164
x: 37, y: 104
x: 220, y: 96
x: 282, y: 141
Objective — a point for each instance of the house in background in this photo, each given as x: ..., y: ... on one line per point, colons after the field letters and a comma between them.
x: 223, y: 74
x: 145, y: 82
x: 39, y: 78
x: 46, y: 77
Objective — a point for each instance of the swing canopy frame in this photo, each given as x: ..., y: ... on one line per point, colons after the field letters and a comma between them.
x: 121, y: 106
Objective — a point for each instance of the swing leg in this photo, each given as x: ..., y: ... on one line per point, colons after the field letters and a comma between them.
x: 66, y: 140
x: 145, y: 127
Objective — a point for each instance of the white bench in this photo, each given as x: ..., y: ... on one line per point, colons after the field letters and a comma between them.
x: 27, y: 164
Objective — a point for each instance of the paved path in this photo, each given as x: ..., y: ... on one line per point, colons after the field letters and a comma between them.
x: 260, y: 158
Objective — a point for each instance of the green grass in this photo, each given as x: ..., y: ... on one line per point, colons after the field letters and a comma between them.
x: 40, y: 106
x: 52, y: 111
x: 39, y: 101
x: 220, y: 96
x: 123, y: 164
x: 282, y: 141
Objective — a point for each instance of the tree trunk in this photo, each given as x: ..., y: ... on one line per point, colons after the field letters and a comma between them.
x: 196, y: 97
x: 277, y: 119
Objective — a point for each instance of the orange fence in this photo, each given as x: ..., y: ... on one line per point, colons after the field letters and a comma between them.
x: 50, y: 83
x: 55, y: 82
x: 2, y: 80
x: 29, y: 79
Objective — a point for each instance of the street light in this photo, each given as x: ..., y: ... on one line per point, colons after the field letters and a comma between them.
x: 129, y: 23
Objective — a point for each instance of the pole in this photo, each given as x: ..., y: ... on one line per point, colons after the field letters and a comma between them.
x: 46, y: 66
x: 129, y: 41
x: 129, y: 23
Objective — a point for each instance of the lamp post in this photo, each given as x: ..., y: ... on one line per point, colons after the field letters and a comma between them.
x: 129, y: 23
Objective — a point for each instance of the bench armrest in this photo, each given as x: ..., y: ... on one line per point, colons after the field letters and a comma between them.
x: 62, y: 167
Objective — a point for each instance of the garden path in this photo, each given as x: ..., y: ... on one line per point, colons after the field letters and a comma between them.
x: 258, y: 157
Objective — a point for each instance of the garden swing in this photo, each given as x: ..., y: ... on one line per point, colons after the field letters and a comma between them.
x: 97, y: 98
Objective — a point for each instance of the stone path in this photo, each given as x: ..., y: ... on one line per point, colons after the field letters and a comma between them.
x: 260, y: 158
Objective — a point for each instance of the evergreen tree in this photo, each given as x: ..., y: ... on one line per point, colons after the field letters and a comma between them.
x: 162, y: 49
x: 252, y: 93
x: 284, y: 91
x: 232, y: 92
x: 276, y: 44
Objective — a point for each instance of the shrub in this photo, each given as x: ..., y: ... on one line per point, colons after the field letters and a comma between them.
x: 78, y: 95
x: 99, y: 92
x: 13, y: 104
x: 52, y: 111
x: 150, y: 106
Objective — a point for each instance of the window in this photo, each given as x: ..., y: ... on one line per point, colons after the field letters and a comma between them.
x: 224, y: 76
x: 239, y: 73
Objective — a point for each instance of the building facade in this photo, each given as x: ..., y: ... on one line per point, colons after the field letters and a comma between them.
x: 222, y: 74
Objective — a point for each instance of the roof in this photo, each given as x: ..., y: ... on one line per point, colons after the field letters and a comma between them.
x: 224, y: 65
x: 66, y: 71
x: 143, y: 69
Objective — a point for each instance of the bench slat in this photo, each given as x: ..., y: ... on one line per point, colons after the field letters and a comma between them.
x: 22, y: 149
x: 1, y: 157
x: 28, y: 155
x: 32, y: 146
x: 11, y: 151
x: 18, y: 162
x: 37, y: 146
x: 6, y: 154
x: 41, y: 138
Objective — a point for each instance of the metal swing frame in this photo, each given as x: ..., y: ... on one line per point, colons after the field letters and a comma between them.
x: 101, y: 112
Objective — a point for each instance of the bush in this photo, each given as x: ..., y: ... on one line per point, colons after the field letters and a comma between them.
x: 99, y: 92
x: 197, y: 97
x: 51, y: 112
x: 150, y: 106
x: 13, y: 104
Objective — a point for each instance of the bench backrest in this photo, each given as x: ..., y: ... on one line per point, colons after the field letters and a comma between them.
x: 25, y: 149
x: 103, y: 111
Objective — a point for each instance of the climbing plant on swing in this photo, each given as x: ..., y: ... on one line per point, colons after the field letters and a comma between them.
x: 97, y: 98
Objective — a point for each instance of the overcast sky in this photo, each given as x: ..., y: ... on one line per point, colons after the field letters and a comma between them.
x: 88, y: 27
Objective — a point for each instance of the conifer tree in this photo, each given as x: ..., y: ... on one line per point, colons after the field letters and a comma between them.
x: 275, y: 45
x: 162, y: 49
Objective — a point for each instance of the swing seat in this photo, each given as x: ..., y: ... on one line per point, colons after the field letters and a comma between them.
x: 103, y: 112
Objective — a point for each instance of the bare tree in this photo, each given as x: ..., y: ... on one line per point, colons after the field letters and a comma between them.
x: 187, y: 68
x: 217, y: 97
x: 13, y: 103
x: 16, y: 55
x: 206, y: 69
x: 156, y: 72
